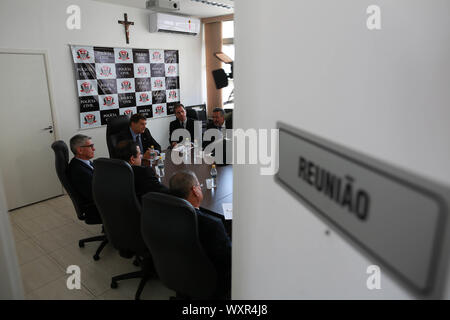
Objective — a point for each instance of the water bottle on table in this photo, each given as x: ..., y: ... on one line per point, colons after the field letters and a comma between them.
x: 152, y: 155
x: 213, y: 173
x: 161, y: 167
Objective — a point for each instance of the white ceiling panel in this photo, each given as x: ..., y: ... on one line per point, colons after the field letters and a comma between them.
x: 192, y: 8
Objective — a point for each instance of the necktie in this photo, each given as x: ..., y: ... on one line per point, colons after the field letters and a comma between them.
x: 138, y: 140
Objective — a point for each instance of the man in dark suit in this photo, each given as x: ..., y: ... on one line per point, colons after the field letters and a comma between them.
x: 80, y: 172
x: 181, y: 122
x: 220, y: 122
x: 212, y: 234
x: 145, y: 179
x: 139, y: 133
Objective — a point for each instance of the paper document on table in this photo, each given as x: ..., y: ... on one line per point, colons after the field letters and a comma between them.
x: 227, y: 210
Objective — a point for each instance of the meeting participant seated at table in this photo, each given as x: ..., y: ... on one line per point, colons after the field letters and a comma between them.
x: 221, y: 122
x: 181, y: 122
x: 145, y: 179
x: 81, y: 171
x: 139, y: 133
x: 212, y: 234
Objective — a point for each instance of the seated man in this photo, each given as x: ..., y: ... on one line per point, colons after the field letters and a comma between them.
x: 80, y: 172
x: 221, y: 122
x: 181, y: 122
x: 145, y: 179
x: 139, y: 133
x: 212, y: 234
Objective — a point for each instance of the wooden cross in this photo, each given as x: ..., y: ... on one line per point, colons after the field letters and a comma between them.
x: 126, y: 24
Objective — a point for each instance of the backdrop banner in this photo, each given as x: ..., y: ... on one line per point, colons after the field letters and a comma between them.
x: 116, y: 81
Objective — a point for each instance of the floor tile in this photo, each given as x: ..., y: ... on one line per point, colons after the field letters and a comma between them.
x: 113, y: 264
x: 57, y: 290
x: 30, y: 227
x: 113, y: 294
x: 27, y: 250
x: 69, y: 234
x: 47, y: 236
x: 94, y: 279
x: 19, y: 235
x: 73, y: 255
x: 21, y: 214
x: 51, y: 221
x: 59, y: 202
x: 43, y: 209
x: 39, y: 272
x: 48, y: 241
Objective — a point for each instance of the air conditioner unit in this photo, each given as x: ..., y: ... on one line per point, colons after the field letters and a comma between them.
x: 162, y: 22
x: 163, y: 5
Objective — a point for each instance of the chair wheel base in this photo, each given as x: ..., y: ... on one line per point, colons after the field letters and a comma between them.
x: 96, y: 257
x: 81, y: 244
x: 114, y: 285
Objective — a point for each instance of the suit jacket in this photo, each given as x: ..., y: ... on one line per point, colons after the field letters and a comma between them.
x: 175, y: 124
x: 145, y: 181
x: 146, y: 139
x: 228, y: 125
x: 80, y: 176
x: 217, y: 246
x: 210, y: 125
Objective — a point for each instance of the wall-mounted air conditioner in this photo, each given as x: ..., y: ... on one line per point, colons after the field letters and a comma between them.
x: 162, y: 22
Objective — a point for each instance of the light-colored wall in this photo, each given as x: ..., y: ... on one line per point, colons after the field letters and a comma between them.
x: 41, y: 24
x: 314, y: 65
x: 10, y: 281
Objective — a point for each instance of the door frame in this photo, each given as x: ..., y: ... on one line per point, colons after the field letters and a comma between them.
x: 44, y: 53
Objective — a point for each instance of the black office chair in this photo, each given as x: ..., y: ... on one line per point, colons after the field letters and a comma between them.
x: 61, y: 164
x: 113, y: 127
x: 115, y: 197
x: 198, y: 112
x: 169, y: 227
x: 191, y: 113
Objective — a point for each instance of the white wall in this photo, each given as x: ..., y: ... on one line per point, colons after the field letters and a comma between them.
x: 41, y: 24
x: 314, y: 65
x: 10, y: 282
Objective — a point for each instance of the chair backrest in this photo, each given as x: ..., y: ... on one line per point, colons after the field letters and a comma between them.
x: 197, y: 112
x: 169, y: 227
x: 61, y: 165
x: 115, y: 198
x: 113, y: 127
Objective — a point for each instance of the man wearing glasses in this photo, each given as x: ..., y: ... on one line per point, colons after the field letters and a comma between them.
x: 81, y: 170
x: 211, y: 231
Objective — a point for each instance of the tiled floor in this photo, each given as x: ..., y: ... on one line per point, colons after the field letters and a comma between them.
x: 47, y: 235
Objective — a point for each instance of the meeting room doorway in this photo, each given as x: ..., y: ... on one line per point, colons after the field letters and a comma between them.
x: 26, y: 129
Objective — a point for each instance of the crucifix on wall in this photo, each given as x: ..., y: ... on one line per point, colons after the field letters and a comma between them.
x: 127, y: 25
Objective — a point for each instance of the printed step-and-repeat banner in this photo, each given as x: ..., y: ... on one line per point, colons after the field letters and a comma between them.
x: 117, y: 81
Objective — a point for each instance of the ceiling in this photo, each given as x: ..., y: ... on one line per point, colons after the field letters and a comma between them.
x: 187, y: 7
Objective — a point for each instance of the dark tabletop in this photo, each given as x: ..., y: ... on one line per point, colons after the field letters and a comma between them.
x: 212, y: 198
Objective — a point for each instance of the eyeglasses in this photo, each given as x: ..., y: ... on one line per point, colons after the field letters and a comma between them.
x: 89, y: 146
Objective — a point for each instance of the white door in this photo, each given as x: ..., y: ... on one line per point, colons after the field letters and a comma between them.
x: 26, y: 158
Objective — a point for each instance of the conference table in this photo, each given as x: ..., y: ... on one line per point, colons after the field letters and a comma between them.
x: 212, y: 198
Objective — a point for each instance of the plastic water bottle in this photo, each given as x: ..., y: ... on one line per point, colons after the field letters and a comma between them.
x: 152, y: 155
x: 213, y: 173
x: 161, y: 167
x: 196, y: 151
